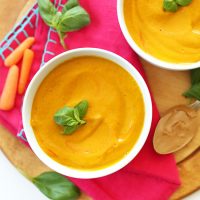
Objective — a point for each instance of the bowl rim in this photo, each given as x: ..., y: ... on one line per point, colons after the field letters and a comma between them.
x: 146, y: 56
x: 33, y: 87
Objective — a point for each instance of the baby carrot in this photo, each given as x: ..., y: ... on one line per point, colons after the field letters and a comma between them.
x: 25, y: 70
x: 17, y: 54
x: 7, y: 99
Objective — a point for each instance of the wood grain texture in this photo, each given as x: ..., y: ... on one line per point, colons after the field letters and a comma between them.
x: 9, y: 10
x: 189, y: 175
x: 166, y: 87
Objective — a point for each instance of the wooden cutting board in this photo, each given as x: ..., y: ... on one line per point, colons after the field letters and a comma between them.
x: 166, y: 86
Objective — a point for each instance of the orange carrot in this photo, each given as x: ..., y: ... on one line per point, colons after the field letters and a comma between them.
x: 17, y: 54
x: 7, y: 99
x: 25, y: 70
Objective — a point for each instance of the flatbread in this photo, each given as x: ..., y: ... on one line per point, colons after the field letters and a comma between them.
x: 189, y: 171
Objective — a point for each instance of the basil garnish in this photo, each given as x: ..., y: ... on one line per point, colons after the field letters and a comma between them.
x: 194, y: 91
x: 73, y: 17
x: 56, y: 186
x: 173, y: 5
x: 195, y: 76
x: 183, y: 2
x: 170, y: 5
x: 71, y: 118
x: 47, y: 11
x: 69, y: 5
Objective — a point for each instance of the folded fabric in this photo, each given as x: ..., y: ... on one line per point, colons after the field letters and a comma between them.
x: 149, y: 176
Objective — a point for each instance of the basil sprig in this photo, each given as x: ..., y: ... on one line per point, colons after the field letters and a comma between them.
x: 170, y: 5
x: 56, y: 187
x: 194, y: 91
x: 72, y: 18
x: 173, y: 5
x: 71, y: 118
x: 183, y: 2
x: 195, y: 76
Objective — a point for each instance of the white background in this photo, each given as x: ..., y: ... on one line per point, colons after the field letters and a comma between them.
x: 13, y: 186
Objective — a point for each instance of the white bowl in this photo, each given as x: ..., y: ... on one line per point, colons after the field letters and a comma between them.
x: 32, y: 89
x: 153, y: 60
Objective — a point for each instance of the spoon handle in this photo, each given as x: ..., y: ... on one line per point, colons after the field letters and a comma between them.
x: 195, y: 105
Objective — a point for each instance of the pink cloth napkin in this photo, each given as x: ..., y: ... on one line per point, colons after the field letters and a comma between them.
x: 149, y: 176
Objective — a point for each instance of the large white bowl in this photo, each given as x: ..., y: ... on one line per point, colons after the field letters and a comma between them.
x: 153, y: 60
x: 32, y: 89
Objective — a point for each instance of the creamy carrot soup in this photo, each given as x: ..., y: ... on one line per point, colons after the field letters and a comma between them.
x: 169, y: 36
x: 114, y: 118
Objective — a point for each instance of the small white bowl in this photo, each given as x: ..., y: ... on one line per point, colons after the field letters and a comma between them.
x: 32, y: 89
x: 151, y: 59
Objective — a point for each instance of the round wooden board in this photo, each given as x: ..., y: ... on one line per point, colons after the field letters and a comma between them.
x: 166, y: 86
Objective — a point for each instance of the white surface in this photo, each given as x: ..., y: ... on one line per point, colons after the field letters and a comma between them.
x: 13, y: 186
x: 32, y: 89
x: 194, y: 196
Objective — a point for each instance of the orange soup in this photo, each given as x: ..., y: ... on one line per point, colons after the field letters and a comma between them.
x: 168, y: 36
x: 114, y: 118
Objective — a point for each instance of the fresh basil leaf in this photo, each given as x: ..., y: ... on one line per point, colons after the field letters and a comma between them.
x: 183, y: 2
x: 65, y: 117
x: 68, y: 130
x: 82, y: 122
x: 82, y: 108
x: 71, y: 122
x: 173, y: 5
x: 71, y: 118
x: 62, y: 115
x: 67, y: 121
x: 170, y: 5
x: 195, y: 76
x: 69, y: 5
x: 62, y: 36
x: 76, y: 114
x: 56, y: 187
x: 73, y: 19
x: 56, y: 19
x: 193, y: 92
x: 47, y: 11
